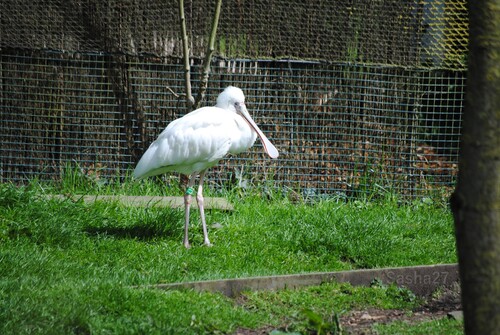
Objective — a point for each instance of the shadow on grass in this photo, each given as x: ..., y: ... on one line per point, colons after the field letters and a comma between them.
x: 139, y: 231
x: 144, y: 226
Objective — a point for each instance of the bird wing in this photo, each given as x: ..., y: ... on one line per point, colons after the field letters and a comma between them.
x: 189, y: 144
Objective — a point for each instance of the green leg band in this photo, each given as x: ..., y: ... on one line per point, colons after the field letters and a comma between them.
x: 190, y: 191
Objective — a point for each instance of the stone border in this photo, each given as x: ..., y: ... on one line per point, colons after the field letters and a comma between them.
x: 147, y: 201
x: 422, y: 280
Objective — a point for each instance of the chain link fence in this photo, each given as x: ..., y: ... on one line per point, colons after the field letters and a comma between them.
x: 358, y: 96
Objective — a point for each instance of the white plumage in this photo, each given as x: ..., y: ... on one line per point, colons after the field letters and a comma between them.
x: 197, y: 141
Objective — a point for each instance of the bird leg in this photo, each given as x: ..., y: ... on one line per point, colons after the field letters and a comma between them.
x: 200, y: 201
x: 187, y: 207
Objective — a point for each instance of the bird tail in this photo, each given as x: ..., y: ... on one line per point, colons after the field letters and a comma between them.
x: 145, y: 164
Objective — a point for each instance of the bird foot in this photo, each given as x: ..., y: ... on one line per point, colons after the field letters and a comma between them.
x: 187, y: 245
x: 208, y: 244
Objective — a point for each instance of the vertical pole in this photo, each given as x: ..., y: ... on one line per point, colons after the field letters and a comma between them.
x: 476, y: 200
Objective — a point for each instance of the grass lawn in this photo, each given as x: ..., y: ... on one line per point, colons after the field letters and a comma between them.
x: 68, y: 267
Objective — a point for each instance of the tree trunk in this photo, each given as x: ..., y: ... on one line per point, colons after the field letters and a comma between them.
x: 476, y: 200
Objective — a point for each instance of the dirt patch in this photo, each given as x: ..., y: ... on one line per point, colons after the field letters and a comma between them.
x: 437, y: 306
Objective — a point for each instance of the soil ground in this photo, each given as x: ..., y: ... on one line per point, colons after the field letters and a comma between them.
x: 361, y: 321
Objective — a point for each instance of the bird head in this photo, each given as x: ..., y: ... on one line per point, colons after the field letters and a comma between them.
x: 233, y: 99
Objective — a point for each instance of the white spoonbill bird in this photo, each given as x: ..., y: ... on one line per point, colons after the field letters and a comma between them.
x: 197, y: 141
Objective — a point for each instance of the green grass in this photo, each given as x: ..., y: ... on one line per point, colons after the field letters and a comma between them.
x: 69, y: 267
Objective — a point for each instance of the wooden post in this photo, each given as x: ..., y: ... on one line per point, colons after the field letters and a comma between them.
x: 476, y: 200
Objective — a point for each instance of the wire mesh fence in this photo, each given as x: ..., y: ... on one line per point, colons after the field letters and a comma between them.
x: 358, y: 96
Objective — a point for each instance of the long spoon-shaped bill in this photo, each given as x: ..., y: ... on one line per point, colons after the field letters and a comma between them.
x: 268, y: 146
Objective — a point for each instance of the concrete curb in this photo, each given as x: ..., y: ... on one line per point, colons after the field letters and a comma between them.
x: 147, y: 201
x: 422, y: 280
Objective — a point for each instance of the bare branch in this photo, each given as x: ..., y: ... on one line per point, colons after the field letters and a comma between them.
x: 185, y: 48
x: 208, y: 56
x: 175, y: 94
